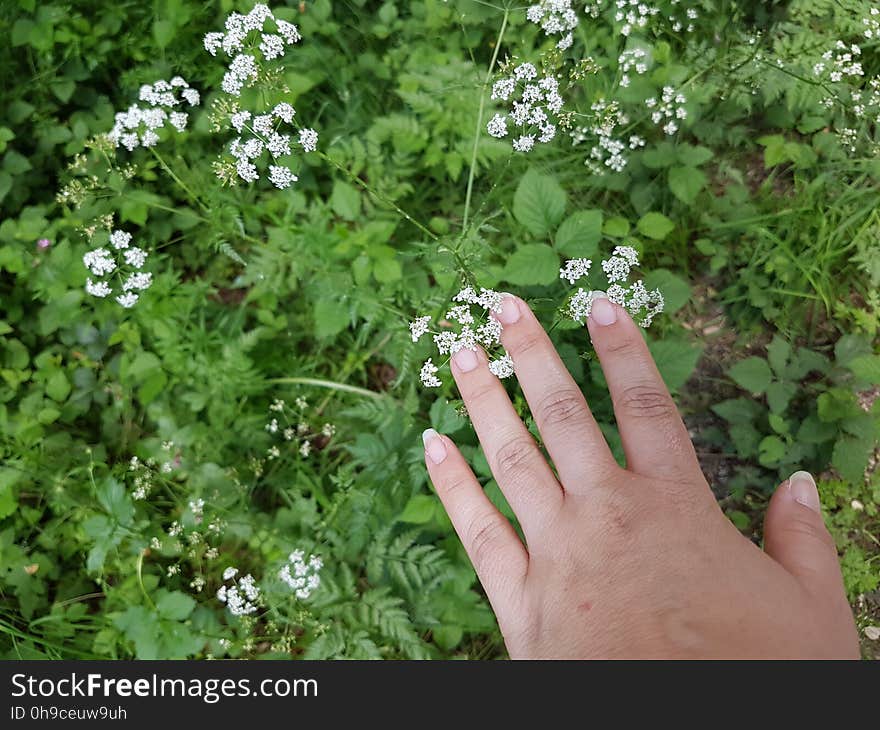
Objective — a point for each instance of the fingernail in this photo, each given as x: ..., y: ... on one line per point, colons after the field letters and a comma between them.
x: 509, y: 313
x: 465, y: 359
x: 434, y: 446
x: 803, y: 489
x: 603, y: 311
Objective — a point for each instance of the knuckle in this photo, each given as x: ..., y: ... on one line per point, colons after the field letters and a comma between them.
x: 515, y: 456
x: 621, y: 346
x: 799, y: 528
x: 456, y: 485
x: 646, y: 401
x: 561, y: 408
x: 484, y: 536
x: 481, y: 391
x: 526, y: 342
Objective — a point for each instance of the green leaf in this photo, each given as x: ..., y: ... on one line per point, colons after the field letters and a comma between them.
x: 419, y: 510
x: 175, y: 605
x: 616, y: 227
x: 655, y: 225
x: 676, y: 291
x: 771, y: 451
x: 752, y: 374
x: 779, y: 394
x: 164, y: 32
x: 331, y: 317
x: 345, y: 200
x: 539, y: 203
x: 113, y: 498
x: 579, y: 234
x: 57, y: 387
x: 866, y: 368
x: 8, y: 500
x: 778, y: 352
x: 686, y: 183
x: 815, y: 431
x: 836, y: 404
x: 691, y: 156
x: 850, y: 457
x: 676, y: 360
x: 445, y: 418
x: 532, y: 264
x: 738, y: 410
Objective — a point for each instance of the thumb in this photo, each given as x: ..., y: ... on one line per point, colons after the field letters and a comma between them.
x: 795, y: 536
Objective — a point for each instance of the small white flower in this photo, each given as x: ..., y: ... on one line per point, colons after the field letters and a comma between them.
x: 497, y: 126
x: 285, y: 112
x: 281, y: 177
x: 502, y: 367
x: 575, y: 269
x: 99, y: 261
x: 120, y: 239
x: 428, y: 375
x: 418, y: 327
x: 98, y: 289
x: 308, y: 139
x: 135, y: 257
x: 239, y: 119
x: 524, y: 143
x: 127, y: 300
x: 178, y: 120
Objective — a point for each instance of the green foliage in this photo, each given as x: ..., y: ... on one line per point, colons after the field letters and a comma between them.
x: 138, y: 454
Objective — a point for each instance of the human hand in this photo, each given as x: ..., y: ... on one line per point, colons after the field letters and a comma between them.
x: 636, y: 562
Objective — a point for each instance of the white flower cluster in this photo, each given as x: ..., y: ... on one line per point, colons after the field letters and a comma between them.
x: 137, y: 127
x: 556, y: 17
x: 268, y: 133
x: 633, y: 59
x: 633, y: 15
x: 536, y: 105
x: 679, y: 24
x: 123, y: 257
x: 241, y: 597
x: 608, y: 149
x: 872, y: 24
x: 472, y: 331
x: 303, y: 576
x: 668, y: 109
x: 840, y: 63
x: 246, y: 35
x: 294, y: 428
x: 636, y: 298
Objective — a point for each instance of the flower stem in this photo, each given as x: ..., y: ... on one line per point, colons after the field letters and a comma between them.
x: 479, y: 129
x: 332, y: 385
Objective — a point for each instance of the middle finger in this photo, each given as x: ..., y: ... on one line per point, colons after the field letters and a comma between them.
x: 520, y: 469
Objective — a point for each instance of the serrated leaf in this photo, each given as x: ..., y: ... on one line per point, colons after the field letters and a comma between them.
x: 579, y: 234
x: 532, y: 264
x: 752, y: 374
x: 331, y: 317
x: 779, y: 394
x: 345, y: 200
x: 866, y: 368
x: 738, y: 410
x: 850, y: 457
x: 771, y: 450
x: 778, y: 352
x: 419, y: 510
x: 676, y: 291
x: 686, y: 183
x: 655, y: 225
x: 676, y: 360
x: 539, y: 203
x: 175, y: 605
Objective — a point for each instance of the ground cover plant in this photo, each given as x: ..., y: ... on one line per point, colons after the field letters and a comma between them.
x: 239, y: 243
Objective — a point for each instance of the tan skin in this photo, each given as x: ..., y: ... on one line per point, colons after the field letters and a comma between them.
x: 636, y: 562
